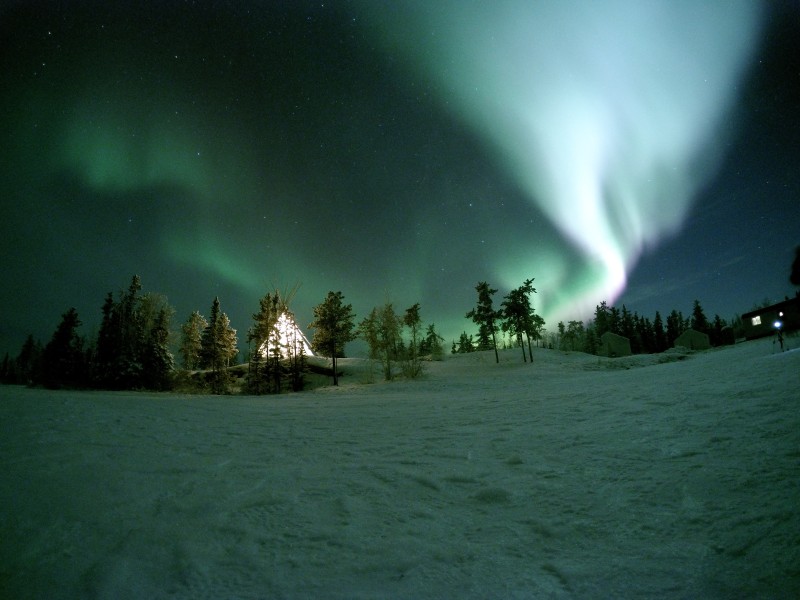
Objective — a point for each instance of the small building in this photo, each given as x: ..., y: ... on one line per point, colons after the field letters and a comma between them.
x: 613, y: 345
x: 764, y: 321
x: 693, y: 340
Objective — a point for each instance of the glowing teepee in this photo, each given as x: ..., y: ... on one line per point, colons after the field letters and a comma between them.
x: 290, y: 337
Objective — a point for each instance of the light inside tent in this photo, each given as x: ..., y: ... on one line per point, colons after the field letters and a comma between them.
x: 289, y: 338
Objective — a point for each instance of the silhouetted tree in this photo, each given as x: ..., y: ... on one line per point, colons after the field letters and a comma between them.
x: 515, y: 318
x: 465, y: 344
x: 431, y: 344
x: 412, y: 320
x: 518, y: 316
x: 601, y: 318
x: 8, y: 372
x: 590, y: 341
x: 715, y: 330
x: 62, y: 362
x: 794, y: 276
x: 484, y: 316
x: 614, y: 321
x: 28, y: 364
x: 660, y: 336
x: 675, y: 327
x: 699, y: 322
x: 334, y: 326
x: 572, y: 337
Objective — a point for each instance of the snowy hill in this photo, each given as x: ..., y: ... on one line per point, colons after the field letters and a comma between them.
x: 671, y: 476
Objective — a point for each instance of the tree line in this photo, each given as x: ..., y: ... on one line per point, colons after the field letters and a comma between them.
x: 131, y: 350
x: 132, y: 347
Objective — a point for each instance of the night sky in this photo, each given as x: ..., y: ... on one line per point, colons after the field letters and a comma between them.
x: 636, y: 152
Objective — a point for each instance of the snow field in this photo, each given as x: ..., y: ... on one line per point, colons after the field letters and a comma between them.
x: 574, y: 477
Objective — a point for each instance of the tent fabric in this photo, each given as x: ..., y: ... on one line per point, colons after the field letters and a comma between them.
x: 290, y: 335
x: 693, y: 340
x: 613, y: 345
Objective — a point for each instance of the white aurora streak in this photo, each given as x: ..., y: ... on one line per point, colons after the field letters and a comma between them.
x: 607, y: 113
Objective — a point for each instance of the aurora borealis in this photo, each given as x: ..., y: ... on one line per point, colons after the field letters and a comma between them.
x: 639, y: 152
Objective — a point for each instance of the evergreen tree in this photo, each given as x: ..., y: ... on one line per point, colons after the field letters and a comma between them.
x: 537, y: 328
x: 465, y: 344
x: 574, y: 336
x: 660, y: 336
x: 128, y: 370
x: 28, y: 364
x: 602, y: 318
x: 412, y: 320
x: 614, y: 321
x: 513, y: 317
x: 590, y: 342
x: 699, y: 322
x: 484, y: 316
x: 334, y: 327
x: 644, y: 334
x: 158, y: 361
x: 715, y: 331
x: 108, y: 344
x: 263, y: 335
x: 191, y: 340
x: 675, y: 327
x: 431, y: 344
x: 517, y: 315
x: 63, y: 356
x: 8, y: 373
x: 627, y: 328
x: 218, y: 347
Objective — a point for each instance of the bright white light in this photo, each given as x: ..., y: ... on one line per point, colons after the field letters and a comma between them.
x: 777, y: 324
x: 289, y: 336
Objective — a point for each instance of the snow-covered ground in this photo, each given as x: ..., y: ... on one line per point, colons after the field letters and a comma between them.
x: 576, y: 476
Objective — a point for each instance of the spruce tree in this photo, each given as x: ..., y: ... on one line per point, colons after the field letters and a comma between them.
x: 413, y: 321
x: 218, y: 347
x: 675, y: 327
x: 515, y: 317
x: 431, y: 344
x: 158, y: 361
x: 660, y: 336
x: 334, y: 326
x: 62, y: 362
x: 465, y: 344
x: 484, y: 315
x: 191, y: 340
x: 28, y: 364
x: 108, y: 344
x: 699, y: 322
x: 602, y: 318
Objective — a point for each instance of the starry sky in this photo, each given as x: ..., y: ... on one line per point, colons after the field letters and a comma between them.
x: 643, y: 153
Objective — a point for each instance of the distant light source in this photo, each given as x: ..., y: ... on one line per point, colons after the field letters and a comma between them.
x: 777, y: 324
x: 756, y: 320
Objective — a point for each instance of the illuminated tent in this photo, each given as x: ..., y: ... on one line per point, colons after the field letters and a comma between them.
x: 693, y: 340
x: 290, y: 338
x: 614, y: 345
